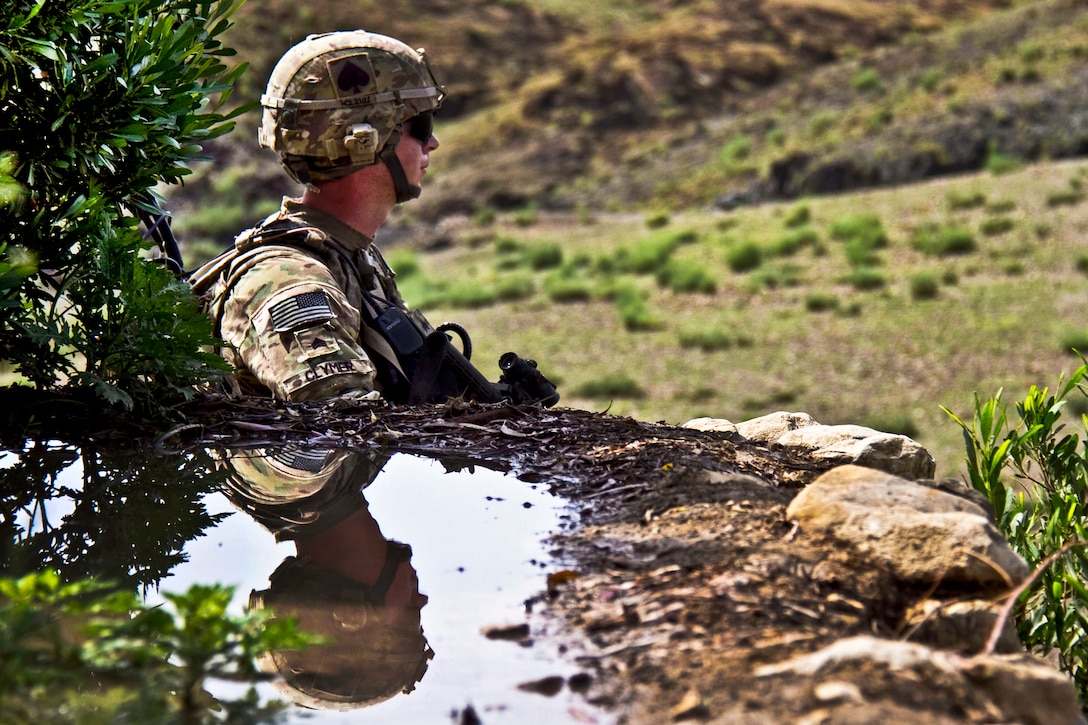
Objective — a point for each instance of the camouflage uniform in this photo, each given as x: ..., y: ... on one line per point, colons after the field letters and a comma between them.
x: 291, y: 299
x: 289, y: 303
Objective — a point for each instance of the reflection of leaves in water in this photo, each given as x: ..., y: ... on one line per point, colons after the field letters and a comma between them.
x: 127, y: 519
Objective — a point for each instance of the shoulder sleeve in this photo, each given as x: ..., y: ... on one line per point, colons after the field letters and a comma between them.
x: 292, y: 328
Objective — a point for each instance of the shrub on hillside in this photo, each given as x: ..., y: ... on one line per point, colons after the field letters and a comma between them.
x: 613, y: 386
x: 941, y: 240
x: 744, y: 256
x: 924, y: 286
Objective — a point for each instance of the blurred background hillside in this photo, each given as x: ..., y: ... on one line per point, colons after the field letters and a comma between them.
x: 623, y: 105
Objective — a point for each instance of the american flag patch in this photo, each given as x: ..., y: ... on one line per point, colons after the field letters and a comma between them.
x: 304, y: 309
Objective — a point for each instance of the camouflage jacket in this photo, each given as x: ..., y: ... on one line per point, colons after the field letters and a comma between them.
x: 288, y: 301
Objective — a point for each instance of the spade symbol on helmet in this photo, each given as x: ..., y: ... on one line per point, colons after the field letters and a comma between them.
x: 352, y: 78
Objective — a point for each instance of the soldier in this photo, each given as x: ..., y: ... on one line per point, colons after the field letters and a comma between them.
x: 297, y: 299
x: 305, y: 302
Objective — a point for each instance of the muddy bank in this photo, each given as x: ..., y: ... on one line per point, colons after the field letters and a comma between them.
x: 733, y: 574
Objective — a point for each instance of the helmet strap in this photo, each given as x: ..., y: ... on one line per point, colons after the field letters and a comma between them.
x: 403, y: 190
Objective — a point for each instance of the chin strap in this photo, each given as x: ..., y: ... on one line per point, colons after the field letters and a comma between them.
x: 404, y: 190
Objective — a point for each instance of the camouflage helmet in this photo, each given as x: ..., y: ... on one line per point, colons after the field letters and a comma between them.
x: 336, y: 100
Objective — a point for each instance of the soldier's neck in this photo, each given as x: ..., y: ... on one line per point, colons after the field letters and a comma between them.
x: 356, y: 200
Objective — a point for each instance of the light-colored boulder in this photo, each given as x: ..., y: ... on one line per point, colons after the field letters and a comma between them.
x: 1021, y: 688
x: 895, y: 454
x: 715, y: 425
x: 769, y: 428
x: 918, y: 533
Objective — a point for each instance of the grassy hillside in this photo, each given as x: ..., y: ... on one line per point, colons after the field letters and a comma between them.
x: 873, y: 308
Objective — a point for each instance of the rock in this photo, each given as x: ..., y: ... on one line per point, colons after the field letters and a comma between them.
x: 919, y: 534
x: 863, y: 446
x: 963, y: 627
x: 890, y: 653
x: 769, y: 428
x: 1021, y: 688
x: 1026, y: 689
x: 713, y: 425
x: 691, y: 706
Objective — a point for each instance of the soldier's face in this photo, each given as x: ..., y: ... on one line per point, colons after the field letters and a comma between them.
x: 414, y: 154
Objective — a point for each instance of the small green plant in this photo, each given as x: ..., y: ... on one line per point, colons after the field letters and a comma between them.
x: 793, y: 241
x: 687, y: 276
x: 1064, y: 197
x: 798, y: 216
x: 1073, y: 340
x: 1082, y: 264
x: 613, y: 386
x: 822, y: 122
x: 485, y: 216
x: 658, y: 219
x: 998, y: 163
x: 527, y: 216
x: 942, y: 240
x: 994, y: 226
x: 544, y: 256
x: 1043, y: 511
x: 649, y: 254
x: 706, y: 339
x: 924, y: 286
x: 930, y: 80
x: 744, y: 256
x: 867, y: 80
x: 958, y: 200
x: 821, y: 302
x: 635, y: 314
x: 866, y: 279
x: 86, y: 651
x: 563, y: 286
x: 865, y: 227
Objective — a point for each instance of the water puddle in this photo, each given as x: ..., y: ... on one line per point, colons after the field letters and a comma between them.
x: 402, y: 562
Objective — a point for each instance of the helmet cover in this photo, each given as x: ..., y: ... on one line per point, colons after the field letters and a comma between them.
x: 335, y: 101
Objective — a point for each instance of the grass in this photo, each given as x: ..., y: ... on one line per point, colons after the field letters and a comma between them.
x: 820, y: 344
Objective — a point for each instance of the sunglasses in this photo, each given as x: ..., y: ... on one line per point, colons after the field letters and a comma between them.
x: 421, y: 127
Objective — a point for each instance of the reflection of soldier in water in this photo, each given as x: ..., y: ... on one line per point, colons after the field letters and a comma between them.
x: 347, y: 583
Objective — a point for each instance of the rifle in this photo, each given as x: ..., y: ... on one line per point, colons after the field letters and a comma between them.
x: 437, y: 370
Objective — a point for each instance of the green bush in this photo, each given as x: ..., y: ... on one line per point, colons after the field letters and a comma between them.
x: 867, y: 80
x: 658, y: 219
x: 924, y: 286
x: 687, y: 276
x: 798, y: 216
x: 941, y: 240
x: 112, y: 102
x: 650, y: 253
x: 958, y: 200
x: 744, y: 257
x: 996, y: 225
x: 544, y: 256
x: 707, y: 340
x: 610, y: 387
x: 635, y: 314
x: 793, y: 241
x: 866, y: 279
x: 564, y: 286
x: 865, y: 229
x: 1074, y: 340
x: 1042, y: 512
x: 1064, y: 197
x: 1082, y: 264
x: 821, y: 302
x: 89, y: 652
